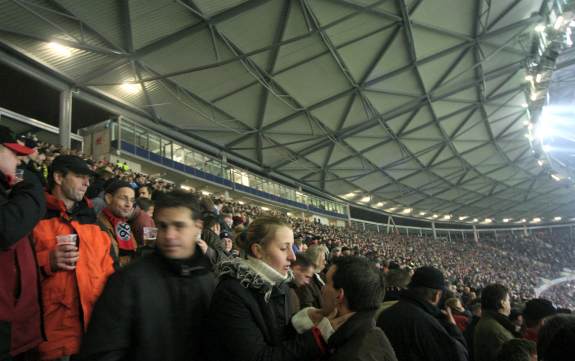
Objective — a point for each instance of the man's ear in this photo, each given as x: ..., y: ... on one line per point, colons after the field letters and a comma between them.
x: 340, y: 296
x: 108, y: 198
x: 58, y: 178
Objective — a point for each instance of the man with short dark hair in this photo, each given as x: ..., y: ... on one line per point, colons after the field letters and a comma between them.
x: 303, y: 272
x: 494, y: 328
x: 355, y: 287
x: 113, y: 219
x: 153, y: 308
x: 416, y: 327
x: 75, y: 269
x: 22, y: 204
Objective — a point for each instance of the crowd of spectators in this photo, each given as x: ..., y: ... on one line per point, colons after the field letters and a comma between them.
x: 123, y: 198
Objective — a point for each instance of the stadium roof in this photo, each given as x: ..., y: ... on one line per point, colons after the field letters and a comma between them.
x: 399, y: 103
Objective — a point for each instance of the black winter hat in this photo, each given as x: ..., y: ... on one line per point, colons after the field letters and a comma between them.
x: 538, y: 308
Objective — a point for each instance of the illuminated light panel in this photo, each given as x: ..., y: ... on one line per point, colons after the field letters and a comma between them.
x: 60, y: 49
x: 536, y: 220
x: 447, y: 217
x: 462, y: 218
x: 240, y: 202
x: 434, y: 216
x: 422, y: 213
x: 555, y: 177
x: 365, y: 199
x: 407, y: 211
x: 206, y: 193
x: 546, y: 148
x: 185, y: 187
x: 265, y: 209
x: 131, y: 88
x: 557, y: 219
x: 487, y: 220
x: 540, y: 162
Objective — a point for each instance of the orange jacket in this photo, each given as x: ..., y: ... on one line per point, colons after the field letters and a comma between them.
x: 69, y: 296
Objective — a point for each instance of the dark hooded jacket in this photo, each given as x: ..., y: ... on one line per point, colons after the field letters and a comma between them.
x: 20, y: 307
x: 418, y: 331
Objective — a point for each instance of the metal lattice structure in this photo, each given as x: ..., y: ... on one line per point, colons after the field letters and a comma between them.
x: 399, y: 103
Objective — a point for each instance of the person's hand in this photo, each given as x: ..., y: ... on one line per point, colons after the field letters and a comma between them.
x: 336, y: 321
x: 449, y: 315
x: 203, y: 245
x: 64, y: 258
x: 315, y: 315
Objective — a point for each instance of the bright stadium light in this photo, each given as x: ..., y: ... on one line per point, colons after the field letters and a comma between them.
x: 422, y: 213
x: 525, y: 105
x: 505, y: 220
x: 540, y: 28
x: 447, y: 217
x: 265, y: 209
x: 529, y: 77
x: 130, y: 87
x: 536, y: 220
x: 555, y: 177
x: 206, y: 193
x: 434, y: 216
x: 379, y: 204
x: 540, y: 162
x: 391, y: 209
x: 60, y: 49
x: 365, y: 199
x: 185, y: 187
x: 546, y: 148
x: 487, y: 220
x: 407, y: 211
x: 557, y: 219
x: 240, y: 202
x: 462, y: 218
x: 523, y: 220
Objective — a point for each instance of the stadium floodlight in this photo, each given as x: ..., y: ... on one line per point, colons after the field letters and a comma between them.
x: 289, y: 214
x: 540, y: 162
x: 447, y: 217
x: 434, y: 216
x: 557, y: 219
x: 60, y: 49
x: 240, y: 202
x: 540, y: 28
x: 391, y: 209
x: 529, y: 78
x: 523, y: 220
x: 536, y: 220
x: 475, y: 220
x: 555, y: 177
x: 407, y: 211
x: 558, y: 22
x: 526, y: 123
x: 206, y: 193
x: 546, y: 148
x: 131, y: 87
x: 525, y: 105
x: 185, y: 187
x: 422, y: 213
x: 365, y: 199
x: 487, y: 220
x: 539, y: 78
x: 462, y: 218
x: 265, y: 209
x: 505, y: 220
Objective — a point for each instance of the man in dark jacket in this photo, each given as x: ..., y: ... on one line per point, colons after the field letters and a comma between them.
x: 153, y: 309
x: 416, y: 327
x: 355, y: 287
x: 22, y: 205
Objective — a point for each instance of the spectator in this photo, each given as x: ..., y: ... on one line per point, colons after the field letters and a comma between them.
x: 142, y: 218
x: 251, y: 303
x: 145, y: 191
x: 120, y: 199
x: 494, y: 327
x: 535, y: 313
x: 355, y: 288
x: 518, y: 350
x: 310, y: 294
x: 22, y: 205
x: 556, y: 339
x: 303, y: 272
x: 470, y: 330
x: 153, y: 309
x: 74, y: 275
x: 416, y: 327
x: 396, y: 280
x: 210, y: 243
x: 458, y: 312
x: 228, y: 244
x: 30, y: 163
x: 346, y: 251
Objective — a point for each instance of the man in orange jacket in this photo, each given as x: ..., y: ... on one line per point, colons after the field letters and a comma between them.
x: 75, y: 268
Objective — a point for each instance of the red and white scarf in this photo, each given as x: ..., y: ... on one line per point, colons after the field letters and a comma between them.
x: 122, y: 230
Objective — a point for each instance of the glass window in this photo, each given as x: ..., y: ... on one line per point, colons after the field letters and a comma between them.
x: 141, y: 138
x: 179, y: 153
x: 128, y: 133
x: 166, y: 148
x: 154, y: 143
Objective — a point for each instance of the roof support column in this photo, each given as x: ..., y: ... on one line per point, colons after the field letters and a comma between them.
x: 65, y: 123
x: 475, y: 234
x: 433, y: 229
